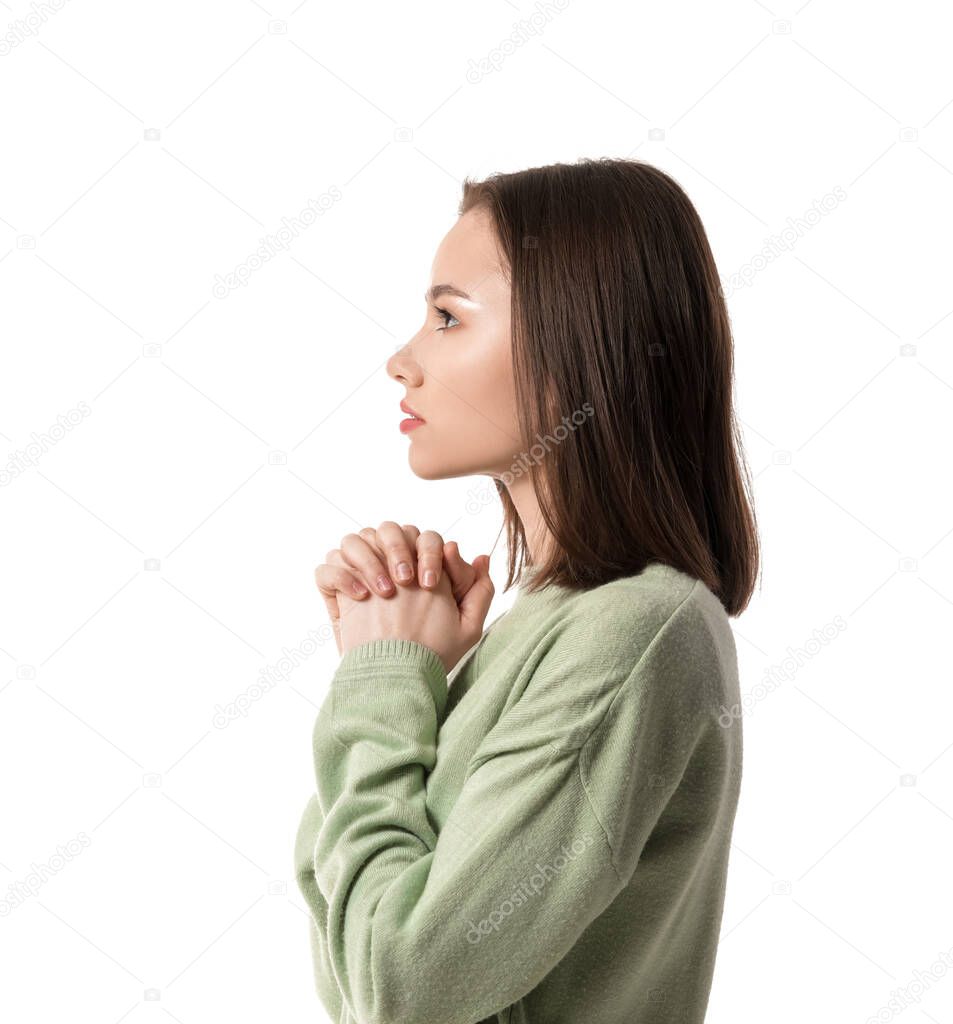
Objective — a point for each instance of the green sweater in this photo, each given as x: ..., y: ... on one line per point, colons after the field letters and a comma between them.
x: 545, y: 841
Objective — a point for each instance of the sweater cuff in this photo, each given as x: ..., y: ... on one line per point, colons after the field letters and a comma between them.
x: 388, y: 662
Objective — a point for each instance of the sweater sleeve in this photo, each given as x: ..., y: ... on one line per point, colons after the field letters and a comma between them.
x: 452, y: 922
x: 309, y: 826
x: 324, y: 983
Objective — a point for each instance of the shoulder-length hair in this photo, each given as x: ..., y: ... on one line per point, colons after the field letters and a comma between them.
x: 622, y: 355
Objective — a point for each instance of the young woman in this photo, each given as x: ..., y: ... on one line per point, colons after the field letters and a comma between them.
x: 531, y: 822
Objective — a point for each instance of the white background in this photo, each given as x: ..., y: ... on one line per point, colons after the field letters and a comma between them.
x: 158, y: 553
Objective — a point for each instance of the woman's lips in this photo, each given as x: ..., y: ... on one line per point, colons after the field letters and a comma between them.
x: 410, y: 412
x: 414, y: 421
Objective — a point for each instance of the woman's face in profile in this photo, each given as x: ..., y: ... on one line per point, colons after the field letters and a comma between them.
x: 457, y: 370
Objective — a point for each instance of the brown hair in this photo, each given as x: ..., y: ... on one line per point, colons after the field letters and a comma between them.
x: 617, y: 308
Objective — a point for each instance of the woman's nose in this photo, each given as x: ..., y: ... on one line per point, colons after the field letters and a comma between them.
x: 401, y: 365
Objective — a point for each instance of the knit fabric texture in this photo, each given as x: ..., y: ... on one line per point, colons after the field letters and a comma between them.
x: 540, y: 837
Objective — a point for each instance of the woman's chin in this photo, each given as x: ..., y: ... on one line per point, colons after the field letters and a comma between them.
x: 427, y: 467
x: 423, y: 467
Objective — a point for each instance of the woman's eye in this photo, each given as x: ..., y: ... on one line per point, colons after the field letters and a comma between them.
x: 446, y: 317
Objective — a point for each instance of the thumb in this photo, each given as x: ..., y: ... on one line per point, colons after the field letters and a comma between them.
x: 476, y: 601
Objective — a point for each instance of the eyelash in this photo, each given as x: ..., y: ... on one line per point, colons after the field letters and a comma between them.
x: 447, y: 315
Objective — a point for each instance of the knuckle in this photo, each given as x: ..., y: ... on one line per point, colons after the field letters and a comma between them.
x: 430, y: 544
x: 391, y: 540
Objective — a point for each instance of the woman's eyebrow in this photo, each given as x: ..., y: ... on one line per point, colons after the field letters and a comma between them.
x: 435, y: 291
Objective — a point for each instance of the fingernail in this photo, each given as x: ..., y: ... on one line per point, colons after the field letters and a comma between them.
x: 430, y: 578
x: 384, y: 583
x: 359, y: 590
x: 404, y: 571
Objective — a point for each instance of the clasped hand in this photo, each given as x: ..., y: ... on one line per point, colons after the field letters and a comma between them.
x: 444, y: 611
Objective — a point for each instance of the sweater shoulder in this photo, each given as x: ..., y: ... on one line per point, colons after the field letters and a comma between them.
x: 675, y: 618
x: 622, y: 618
x: 653, y: 594
x: 646, y: 630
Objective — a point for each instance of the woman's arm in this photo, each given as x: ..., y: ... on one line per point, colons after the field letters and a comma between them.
x: 310, y: 824
x: 455, y: 926
x: 325, y: 985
